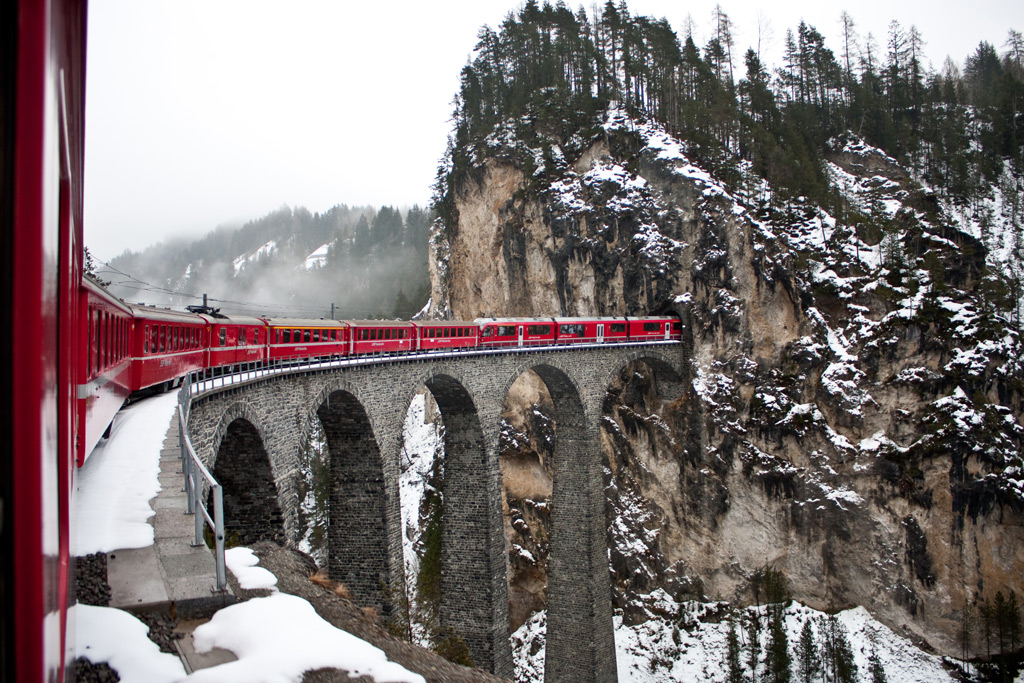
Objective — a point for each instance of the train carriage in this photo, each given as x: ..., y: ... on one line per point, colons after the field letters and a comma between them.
x: 516, y: 331
x: 649, y: 329
x: 167, y: 345
x: 591, y: 330
x: 294, y: 338
x: 381, y: 336
x: 235, y: 340
x: 447, y: 334
x: 105, y: 363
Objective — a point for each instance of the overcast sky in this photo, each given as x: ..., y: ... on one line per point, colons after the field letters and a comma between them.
x: 203, y: 113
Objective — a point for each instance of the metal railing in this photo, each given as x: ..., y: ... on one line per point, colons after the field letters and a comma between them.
x: 196, y: 475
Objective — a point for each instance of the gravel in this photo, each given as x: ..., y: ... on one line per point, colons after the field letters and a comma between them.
x: 91, y: 588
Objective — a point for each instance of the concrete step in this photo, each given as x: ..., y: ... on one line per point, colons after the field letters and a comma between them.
x: 171, y: 575
x: 187, y: 649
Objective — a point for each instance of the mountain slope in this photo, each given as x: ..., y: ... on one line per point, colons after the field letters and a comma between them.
x: 854, y: 382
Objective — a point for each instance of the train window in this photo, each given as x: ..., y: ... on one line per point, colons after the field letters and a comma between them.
x: 305, y: 336
x: 652, y: 327
x: 223, y: 336
x: 334, y: 335
x: 572, y: 330
x: 540, y: 329
x: 316, y: 335
x: 677, y: 326
x: 287, y: 336
x: 145, y: 340
x: 242, y: 334
x: 506, y: 330
x: 617, y: 327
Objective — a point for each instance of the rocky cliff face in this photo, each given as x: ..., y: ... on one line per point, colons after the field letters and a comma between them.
x: 854, y: 404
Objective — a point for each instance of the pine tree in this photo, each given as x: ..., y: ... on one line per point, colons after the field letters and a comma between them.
x: 777, y: 659
x: 734, y: 663
x: 808, y: 660
x: 875, y: 668
x: 753, y: 643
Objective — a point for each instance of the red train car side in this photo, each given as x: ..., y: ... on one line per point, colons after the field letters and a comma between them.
x: 299, y: 338
x: 591, y: 330
x: 516, y: 331
x: 647, y: 329
x: 446, y: 334
x: 104, y: 364
x: 380, y: 336
x: 235, y: 340
x: 42, y: 107
x: 167, y: 345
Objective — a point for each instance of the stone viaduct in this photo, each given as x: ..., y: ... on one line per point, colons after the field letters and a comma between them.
x: 250, y: 435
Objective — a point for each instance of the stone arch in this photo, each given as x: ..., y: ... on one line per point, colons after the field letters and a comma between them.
x: 580, y: 642
x: 670, y: 382
x: 245, y: 471
x: 473, y: 592
x: 358, y: 540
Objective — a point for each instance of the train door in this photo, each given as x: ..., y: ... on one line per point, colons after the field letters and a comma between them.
x: 668, y: 330
x: 600, y: 333
x: 520, y: 329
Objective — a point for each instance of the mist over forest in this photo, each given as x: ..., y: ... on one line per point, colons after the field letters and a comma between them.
x: 369, y: 262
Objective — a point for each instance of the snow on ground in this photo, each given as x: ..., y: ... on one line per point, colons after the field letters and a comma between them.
x: 318, y: 259
x: 266, y: 250
x: 422, y: 445
x: 275, y: 638
x: 278, y: 637
x: 692, y: 645
x: 105, y: 634
x: 242, y: 563
x: 114, y: 486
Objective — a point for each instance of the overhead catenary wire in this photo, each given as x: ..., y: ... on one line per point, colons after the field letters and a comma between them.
x: 227, y: 305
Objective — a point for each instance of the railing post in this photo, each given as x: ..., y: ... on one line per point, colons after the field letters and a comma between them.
x: 218, y: 532
x: 200, y: 515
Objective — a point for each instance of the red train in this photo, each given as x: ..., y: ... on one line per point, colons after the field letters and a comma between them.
x: 132, y: 348
x: 128, y: 349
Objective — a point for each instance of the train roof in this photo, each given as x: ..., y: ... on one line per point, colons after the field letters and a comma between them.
x: 99, y: 290
x: 379, y: 323
x: 527, y: 321
x: 232, y: 320
x: 144, y: 312
x: 444, y: 323
x: 305, y: 322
